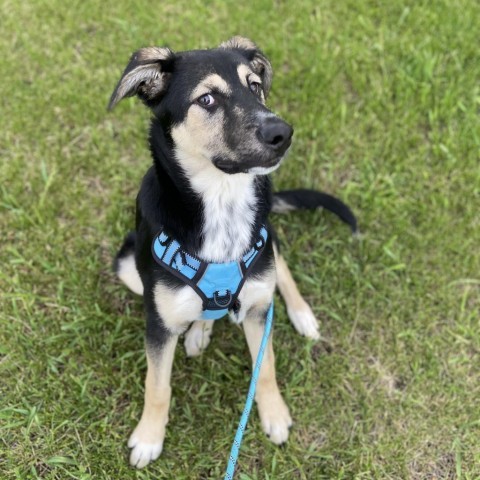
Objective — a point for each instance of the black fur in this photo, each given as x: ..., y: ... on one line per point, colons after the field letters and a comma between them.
x: 255, y: 142
x: 166, y: 199
x: 127, y: 248
x: 312, y: 199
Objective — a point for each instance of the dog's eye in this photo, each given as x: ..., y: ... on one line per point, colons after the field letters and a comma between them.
x: 206, y: 100
x: 255, y: 87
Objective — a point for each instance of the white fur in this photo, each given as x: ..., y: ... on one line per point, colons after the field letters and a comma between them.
x: 275, y: 418
x: 267, y: 170
x: 143, y: 453
x: 177, y: 308
x: 128, y: 274
x: 264, y: 170
x: 229, y: 200
x: 229, y: 212
x: 304, y: 321
x: 198, y: 337
x: 256, y: 292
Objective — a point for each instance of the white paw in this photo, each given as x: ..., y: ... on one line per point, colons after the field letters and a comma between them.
x: 276, y: 420
x: 198, y: 337
x: 304, y: 321
x: 143, y: 453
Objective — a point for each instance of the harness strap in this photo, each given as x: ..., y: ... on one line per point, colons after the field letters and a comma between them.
x: 218, y: 284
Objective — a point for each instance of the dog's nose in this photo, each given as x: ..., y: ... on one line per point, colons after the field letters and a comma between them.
x: 276, y: 134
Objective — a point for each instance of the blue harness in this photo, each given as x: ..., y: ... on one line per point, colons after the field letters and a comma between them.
x: 217, y: 284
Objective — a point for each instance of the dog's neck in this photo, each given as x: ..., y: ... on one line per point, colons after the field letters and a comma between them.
x: 217, y: 215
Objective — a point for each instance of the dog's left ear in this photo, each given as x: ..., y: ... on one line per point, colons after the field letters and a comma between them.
x: 258, y: 61
x: 146, y: 75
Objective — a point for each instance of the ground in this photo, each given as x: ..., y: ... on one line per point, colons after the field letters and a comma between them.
x: 385, y: 99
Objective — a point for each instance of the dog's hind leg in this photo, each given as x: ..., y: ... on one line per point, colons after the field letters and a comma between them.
x: 198, y: 337
x: 125, y: 266
x: 298, y: 310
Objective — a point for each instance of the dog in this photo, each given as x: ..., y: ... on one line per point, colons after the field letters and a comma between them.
x: 213, y: 143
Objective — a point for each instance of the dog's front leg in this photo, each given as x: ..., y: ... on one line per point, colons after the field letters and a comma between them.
x: 272, y: 409
x: 146, y: 440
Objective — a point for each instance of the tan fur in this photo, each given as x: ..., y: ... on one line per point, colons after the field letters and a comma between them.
x: 273, y: 411
x: 239, y: 42
x: 259, y: 63
x: 274, y: 415
x: 286, y: 285
x: 198, y: 138
x: 209, y: 83
x: 298, y: 310
x: 153, y: 53
x: 243, y: 73
x: 146, y: 440
x: 247, y: 76
x: 145, y: 77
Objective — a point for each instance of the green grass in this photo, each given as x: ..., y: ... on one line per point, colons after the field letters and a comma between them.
x: 385, y: 101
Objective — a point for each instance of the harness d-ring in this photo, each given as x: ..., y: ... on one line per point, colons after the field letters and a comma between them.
x: 223, y: 300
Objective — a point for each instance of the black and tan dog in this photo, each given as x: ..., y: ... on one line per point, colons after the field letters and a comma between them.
x: 213, y: 143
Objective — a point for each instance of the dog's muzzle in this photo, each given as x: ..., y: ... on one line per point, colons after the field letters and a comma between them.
x: 275, y: 134
x: 275, y: 137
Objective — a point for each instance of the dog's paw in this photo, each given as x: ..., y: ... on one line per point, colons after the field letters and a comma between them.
x: 304, y: 321
x: 275, y: 418
x: 198, y: 337
x: 146, y: 443
x: 143, y: 453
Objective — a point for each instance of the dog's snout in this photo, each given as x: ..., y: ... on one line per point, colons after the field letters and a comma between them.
x: 275, y: 133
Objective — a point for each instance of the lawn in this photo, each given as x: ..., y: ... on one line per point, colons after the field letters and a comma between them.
x: 385, y: 101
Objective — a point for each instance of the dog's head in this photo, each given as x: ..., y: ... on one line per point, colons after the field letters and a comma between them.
x: 212, y: 104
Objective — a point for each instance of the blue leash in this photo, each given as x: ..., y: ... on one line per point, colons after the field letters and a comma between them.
x: 237, y: 441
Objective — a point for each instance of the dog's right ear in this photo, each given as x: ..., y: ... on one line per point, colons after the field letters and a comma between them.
x: 146, y: 75
x: 258, y: 61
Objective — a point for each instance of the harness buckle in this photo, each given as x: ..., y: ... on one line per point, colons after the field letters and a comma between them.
x: 165, y: 242
x: 259, y: 247
x: 222, y: 301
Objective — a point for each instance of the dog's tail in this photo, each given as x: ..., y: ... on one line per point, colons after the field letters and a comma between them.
x: 289, y: 200
x: 125, y: 267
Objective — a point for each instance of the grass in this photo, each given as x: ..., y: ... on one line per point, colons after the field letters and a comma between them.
x: 385, y: 100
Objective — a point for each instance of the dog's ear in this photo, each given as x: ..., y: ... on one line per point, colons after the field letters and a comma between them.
x: 146, y: 75
x: 258, y: 61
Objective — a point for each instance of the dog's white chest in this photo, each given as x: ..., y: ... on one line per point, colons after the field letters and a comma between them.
x: 229, y: 212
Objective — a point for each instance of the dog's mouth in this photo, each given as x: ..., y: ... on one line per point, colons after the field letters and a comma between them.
x: 232, y: 167
x: 227, y: 166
